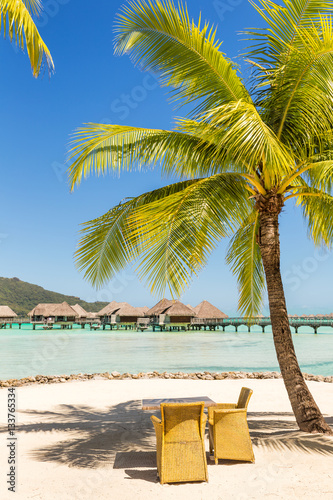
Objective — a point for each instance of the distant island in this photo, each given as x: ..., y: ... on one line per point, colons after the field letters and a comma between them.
x: 22, y: 297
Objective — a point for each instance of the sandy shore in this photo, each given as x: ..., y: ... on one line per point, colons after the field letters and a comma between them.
x: 91, y: 440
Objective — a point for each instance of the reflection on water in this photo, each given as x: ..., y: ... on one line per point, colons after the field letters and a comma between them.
x: 27, y: 352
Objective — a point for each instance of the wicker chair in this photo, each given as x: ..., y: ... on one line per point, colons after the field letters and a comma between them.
x: 180, y: 447
x: 228, y: 430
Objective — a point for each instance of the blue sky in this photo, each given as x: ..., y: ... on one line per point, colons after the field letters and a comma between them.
x: 39, y: 216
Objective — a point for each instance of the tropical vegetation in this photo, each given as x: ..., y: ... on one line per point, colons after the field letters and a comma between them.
x: 16, y: 19
x: 22, y: 297
x: 242, y: 152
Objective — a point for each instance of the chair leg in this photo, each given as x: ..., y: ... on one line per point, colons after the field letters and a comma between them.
x: 211, y: 441
x: 216, y: 461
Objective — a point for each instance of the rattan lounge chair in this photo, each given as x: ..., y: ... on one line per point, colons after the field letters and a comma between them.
x: 180, y: 447
x: 229, y: 435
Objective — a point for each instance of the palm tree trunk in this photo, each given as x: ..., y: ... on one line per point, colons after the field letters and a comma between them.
x: 307, y: 413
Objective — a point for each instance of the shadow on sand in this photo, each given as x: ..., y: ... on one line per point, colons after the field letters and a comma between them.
x: 122, y: 436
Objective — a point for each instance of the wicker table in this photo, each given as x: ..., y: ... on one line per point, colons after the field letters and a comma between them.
x: 154, y: 404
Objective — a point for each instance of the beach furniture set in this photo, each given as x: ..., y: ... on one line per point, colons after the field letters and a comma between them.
x: 180, y: 435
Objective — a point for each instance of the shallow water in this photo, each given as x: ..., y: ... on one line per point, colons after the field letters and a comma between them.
x: 26, y: 352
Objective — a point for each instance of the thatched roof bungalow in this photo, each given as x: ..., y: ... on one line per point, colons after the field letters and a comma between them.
x: 92, y: 315
x: 206, y: 310
x: 53, y: 313
x: 159, y: 308
x: 81, y: 313
x: 121, y: 312
x: 171, y: 312
x: 142, y: 310
x: 190, y: 307
x: 7, y: 314
x: 108, y: 310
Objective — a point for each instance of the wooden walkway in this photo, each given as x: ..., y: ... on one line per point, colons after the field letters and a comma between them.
x: 196, y: 324
x: 296, y: 323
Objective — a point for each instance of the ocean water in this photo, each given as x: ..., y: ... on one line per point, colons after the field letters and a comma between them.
x: 55, y: 352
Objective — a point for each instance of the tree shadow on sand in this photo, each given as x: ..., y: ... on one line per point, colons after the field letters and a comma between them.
x: 122, y: 436
x: 95, y: 435
x: 271, y: 432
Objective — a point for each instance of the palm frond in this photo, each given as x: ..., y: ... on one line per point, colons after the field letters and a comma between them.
x: 303, y: 99
x: 15, y: 17
x: 317, y: 210
x: 246, y: 139
x: 100, y: 148
x: 284, y: 22
x: 293, y: 86
x: 35, y: 7
x: 198, y: 150
x: 169, y: 237
x: 107, y: 244
x: 320, y: 175
x: 161, y: 38
x: 245, y: 261
x: 178, y: 233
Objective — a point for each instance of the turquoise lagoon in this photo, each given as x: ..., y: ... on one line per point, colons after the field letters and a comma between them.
x: 55, y: 352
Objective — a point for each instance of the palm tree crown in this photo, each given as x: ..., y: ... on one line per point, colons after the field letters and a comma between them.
x: 242, y: 146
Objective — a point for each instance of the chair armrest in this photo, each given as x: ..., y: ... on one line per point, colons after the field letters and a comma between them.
x: 224, y: 411
x: 218, y: 414
x: 231, y: 410
x: 219, y: 406
x: 155, y: 420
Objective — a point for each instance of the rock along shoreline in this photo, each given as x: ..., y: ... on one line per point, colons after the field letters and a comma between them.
x: 56, y: 379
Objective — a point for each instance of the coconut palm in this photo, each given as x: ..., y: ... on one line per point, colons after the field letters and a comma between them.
x: 16, y: 16
x: 241, y: 152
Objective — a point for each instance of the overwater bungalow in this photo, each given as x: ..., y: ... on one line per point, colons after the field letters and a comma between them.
x: 7, y: 315
x: 84, y: 317
x: 121, y: 313
x: 171, y: 314
x: 81, y: 313
x: 107, y: 311
x: 158, y: 308
x: 206, y: 310
x: 207, y: 315
x: 142, y: 310
x: 190, y: 307
x: 51, y: 314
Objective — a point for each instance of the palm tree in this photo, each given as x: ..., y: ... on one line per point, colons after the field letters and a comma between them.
x: 241, y: 154
x: 16, y: 16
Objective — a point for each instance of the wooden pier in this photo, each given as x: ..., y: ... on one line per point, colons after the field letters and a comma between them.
x: 196, y: 324
x: 48, y: 325
x: 295, y: 322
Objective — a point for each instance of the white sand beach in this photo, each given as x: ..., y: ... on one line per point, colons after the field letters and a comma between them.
x: 91, y: 440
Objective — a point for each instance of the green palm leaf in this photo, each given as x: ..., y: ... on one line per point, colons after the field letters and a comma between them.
x: 188, y: 224
x: 317, y: 208
x: 107, y: 243
x: 245, y: 261
x: 284, y: 23
x: 246, y: 139
x: 15, y: 17
x: 189, y: 218
x: 162, y: 38
x: 101, y: 148
x: 302, y: 93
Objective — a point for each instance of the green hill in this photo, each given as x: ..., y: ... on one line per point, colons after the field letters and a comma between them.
x: 22, y: 297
